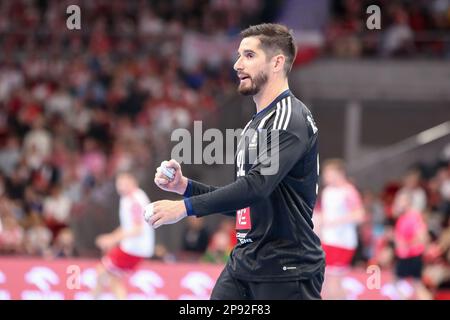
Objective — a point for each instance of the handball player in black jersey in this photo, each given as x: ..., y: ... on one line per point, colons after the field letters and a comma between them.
x: 278, y: 255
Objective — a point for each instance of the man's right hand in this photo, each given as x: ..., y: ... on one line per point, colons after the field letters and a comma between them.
x: 179, y: 182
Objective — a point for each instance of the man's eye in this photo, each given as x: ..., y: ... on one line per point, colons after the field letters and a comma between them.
x: 249, y: 55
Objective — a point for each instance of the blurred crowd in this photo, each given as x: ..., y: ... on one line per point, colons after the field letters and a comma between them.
x: 409, y: 28
x: 77, y: 107
x: 428, y: 187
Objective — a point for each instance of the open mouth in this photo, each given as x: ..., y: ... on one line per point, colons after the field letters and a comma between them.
x: 242, y: 77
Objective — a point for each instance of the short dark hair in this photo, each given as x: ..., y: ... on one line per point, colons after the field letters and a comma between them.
x: 274, y: 38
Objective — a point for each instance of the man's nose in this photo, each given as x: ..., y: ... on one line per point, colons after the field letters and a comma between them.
x: 237, y: 65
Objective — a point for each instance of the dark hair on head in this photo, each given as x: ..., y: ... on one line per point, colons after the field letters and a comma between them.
x: 274, y: 38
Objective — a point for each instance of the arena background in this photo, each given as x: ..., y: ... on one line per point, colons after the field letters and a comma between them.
x: 76, y: 106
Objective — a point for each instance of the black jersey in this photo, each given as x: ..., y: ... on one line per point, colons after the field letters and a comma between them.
x: 272, y: 197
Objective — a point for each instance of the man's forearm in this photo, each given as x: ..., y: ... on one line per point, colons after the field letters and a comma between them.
x: 256, y: 185
x: 237, y: 195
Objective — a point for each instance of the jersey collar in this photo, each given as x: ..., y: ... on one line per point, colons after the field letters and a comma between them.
x: 282, y: 95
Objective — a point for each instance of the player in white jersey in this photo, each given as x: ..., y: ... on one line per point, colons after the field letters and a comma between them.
x: 341, y: 211
x: 129, y: 244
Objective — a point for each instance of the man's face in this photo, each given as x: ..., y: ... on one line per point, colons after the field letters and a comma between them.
x: 252, y: 66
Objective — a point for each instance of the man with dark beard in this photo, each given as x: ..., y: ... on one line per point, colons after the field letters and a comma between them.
x: 278, y: 256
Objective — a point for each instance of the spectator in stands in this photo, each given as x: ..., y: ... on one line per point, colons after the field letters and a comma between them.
x: 442, y: 180
x: 64, y: 245
x: 37, y: 236
x: 384, y: 246
x: 436, y: 273
x: 33, y: 201
x: 10, y: 155
x: 57, y: 210
x: 220, y: 245
x: 399, y: 37
x: 11, y: 235
x: 15, y: 184
x: 37, y: 144
x: 218, y: 249
x: 195, y: 236
x: 411, y: 185
x: 163, y: 254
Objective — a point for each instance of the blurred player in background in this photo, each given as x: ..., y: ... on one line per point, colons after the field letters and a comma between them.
x: 340, y: 211
x: 410, y: 237
x: 129, y: 244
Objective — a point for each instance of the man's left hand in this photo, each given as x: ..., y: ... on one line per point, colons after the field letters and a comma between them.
x: 167, y: 212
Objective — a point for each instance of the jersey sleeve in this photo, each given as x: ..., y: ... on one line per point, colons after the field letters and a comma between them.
x: 281, y: 152
x: 195, y: 188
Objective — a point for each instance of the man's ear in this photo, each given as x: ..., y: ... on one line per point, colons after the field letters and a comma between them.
x: 278, y: 62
